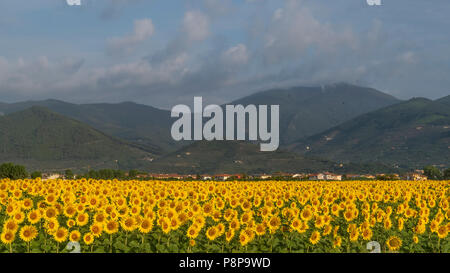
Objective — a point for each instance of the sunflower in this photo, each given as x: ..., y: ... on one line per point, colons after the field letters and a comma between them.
x: 207, y: 208
x: 70, y: 211
x: 415, y: 239
x: 174, y: 223
x: 34, y: 216
x: 354, y: 235
x: 88, y: 238
x: 442, y: 232
x: 296, y: 223
x: 320, y: 222
x: 50, y: 213
x: 165, y: 226
x: 260, y: 229
x: 337, y: 242
x: 235, y: 224
x: 229, y: 235
x: 51, y: 226
x: 7, y: 237
x: 192, y: 232
x: 246, y: 217
x: 348, y: 215
x: 367, y: 234
x: 96, y: 229
x: 274, y: 223
x: 306, y: 214
x: 243, y: 238
x: 220, y: 229
x: 70, y: 223
x: 11, y: 225
x: 111, y: 227
x: 394, y: 243
x: 61, y: 234
x: 100, y: 217
x: 172, y: 213
x: 211, y: 233
x: 387, y: 224
x: 18, y: 217
x: 401, y: 223
x: 82, y: 219
x: 146, y: 225
x: 327, y: 230
x: 129, y: 223
x: 315, y: 237
x: 434, y: 225
x: 75, y: 236
x: 27, y: 204
x: 28, y: 233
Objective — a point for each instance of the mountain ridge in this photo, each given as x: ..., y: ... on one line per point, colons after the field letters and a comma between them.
x: 42, y: 139
x: 414, y: 133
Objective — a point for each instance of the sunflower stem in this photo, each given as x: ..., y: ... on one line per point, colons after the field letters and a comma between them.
x: 110, y: 243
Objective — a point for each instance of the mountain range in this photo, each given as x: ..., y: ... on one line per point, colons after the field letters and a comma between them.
x: 414, y: 133
x: 41, y: 139
x: 320, y: 128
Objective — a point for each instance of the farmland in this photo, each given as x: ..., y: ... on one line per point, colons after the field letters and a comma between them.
x: 215, y: 217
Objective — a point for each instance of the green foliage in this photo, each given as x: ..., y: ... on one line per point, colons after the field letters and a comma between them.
x: 386, y: 177
x: 132, y: 174
x: 447, y: 174
x: 68, y: 174
x: 36, y: 174
x: 105, y: 174
x: 233, y: 157
x: 407, y: 135
x: 41, y: 139
x: 432, y: 173
x: 11, y: 171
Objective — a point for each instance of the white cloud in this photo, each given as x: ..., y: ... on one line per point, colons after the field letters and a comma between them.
x: 195, y: 25
x: 143, y: 29
x: 236, y: 55
x: 294, y: 29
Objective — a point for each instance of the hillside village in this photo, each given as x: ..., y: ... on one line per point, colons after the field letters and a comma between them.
x: 417, y: 175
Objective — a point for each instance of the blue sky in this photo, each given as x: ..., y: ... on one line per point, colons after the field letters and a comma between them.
x: 163, y: 53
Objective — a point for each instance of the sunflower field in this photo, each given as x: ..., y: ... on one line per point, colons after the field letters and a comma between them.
x: 215, y: 217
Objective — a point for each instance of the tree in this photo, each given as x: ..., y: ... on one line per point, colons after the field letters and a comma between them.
x: 68, y: 174
x: 132, y: 173
x: 36, y: 174
x: 11, y: 171
x: 447, y: 174
x: 432, y: 173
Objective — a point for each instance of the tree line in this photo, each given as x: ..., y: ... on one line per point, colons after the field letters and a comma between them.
x: 13, y: 172
x: 435, y: 173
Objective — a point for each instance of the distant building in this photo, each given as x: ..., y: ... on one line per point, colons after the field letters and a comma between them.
x: 332, y: 176
x: 299, y: 176
x: 51, y: 176
x: 325, y: 176
x: 317, y: 176
x: 166, y: 176
x: 223, y: 177
x: 415, y: 177
x: 206, y: 177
